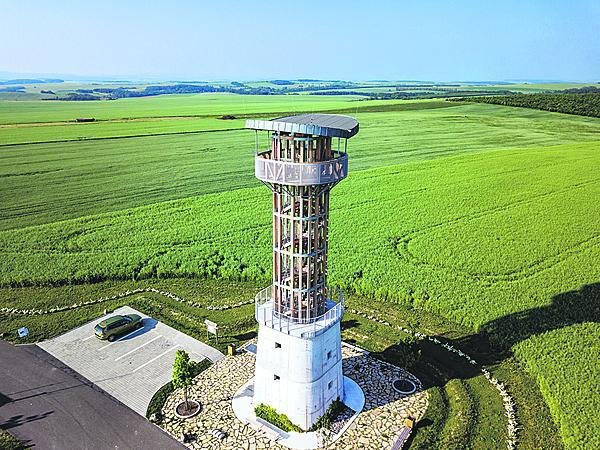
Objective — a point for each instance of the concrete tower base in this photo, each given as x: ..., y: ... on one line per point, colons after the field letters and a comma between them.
x: 299, y: 368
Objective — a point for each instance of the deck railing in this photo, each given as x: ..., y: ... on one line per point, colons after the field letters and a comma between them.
x: 266, y: 314
x: 301, y: 174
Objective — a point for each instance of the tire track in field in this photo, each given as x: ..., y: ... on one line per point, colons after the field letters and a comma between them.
x: 401, y: 244
x: 62, y: 247
x: 127, y: 136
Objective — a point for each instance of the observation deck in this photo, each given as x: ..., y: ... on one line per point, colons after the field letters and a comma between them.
x: 265, y: 314
x: 301, y: 174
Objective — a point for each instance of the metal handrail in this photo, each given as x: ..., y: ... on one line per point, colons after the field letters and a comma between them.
x: 274, y: 319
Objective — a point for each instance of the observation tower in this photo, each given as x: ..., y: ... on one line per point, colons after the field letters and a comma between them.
x: 299, y: 356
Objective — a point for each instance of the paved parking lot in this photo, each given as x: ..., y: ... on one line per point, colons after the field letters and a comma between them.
x: 133, y: 367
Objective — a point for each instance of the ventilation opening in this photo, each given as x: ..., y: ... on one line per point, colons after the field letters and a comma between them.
x: 329, y: 354
x: 277, y: 345
x: 276, y: 377
x: 330, y: 384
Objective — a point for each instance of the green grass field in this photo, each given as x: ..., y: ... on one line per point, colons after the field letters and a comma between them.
x: 482, y: 216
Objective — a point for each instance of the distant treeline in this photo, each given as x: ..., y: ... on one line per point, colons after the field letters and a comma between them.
x: 149, y: 91
x: 31, y: 81
x: 342, y: 88
x: 441, y: 93
x: 342, y: 92
x: 582, y: 101
x: 235, y: 88
x: 583, y: 90
x: 13, y: 89
x: 396, y: 91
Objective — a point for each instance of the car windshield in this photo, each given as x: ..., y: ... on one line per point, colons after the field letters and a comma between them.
x: 99, y: 329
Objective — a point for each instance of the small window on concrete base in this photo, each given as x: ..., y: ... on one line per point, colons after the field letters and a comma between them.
x: 330, y: 384
x: 276, y: 377
x: 277, y: 345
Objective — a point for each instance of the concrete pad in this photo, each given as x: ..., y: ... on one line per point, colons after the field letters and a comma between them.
x: 133, y: 367
x: 243, y: 408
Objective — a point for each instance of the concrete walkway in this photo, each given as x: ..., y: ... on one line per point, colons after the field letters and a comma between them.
x: 133, y: 367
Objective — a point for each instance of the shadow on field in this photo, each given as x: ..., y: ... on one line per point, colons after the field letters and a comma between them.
x: 568, y: 308
x: 492, y: 345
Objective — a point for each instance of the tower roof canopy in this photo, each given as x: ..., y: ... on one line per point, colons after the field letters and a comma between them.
x: 329, y: 125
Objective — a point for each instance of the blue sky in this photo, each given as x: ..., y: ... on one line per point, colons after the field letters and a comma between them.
x: 354, y: 40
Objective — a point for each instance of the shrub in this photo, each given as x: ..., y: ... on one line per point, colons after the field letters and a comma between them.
x: 332, y: 412
x: 281, y: 421
x: 9, y: 442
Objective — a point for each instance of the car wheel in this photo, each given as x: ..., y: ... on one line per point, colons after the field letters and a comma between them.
x: 111, y: 338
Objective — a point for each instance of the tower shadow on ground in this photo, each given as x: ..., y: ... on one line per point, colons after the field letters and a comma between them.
x: 494, y: 342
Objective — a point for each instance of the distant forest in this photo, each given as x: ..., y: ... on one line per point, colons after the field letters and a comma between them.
x: 31, y: 81
x: 581, y: 101
x: 148, y: 91
x: 401, y: 91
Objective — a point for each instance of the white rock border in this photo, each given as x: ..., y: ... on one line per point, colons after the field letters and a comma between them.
x: 509, y: 404
x: 124, y: 294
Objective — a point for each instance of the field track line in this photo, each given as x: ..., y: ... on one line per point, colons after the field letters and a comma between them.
x: 100, y: 138
x: 402, y: 242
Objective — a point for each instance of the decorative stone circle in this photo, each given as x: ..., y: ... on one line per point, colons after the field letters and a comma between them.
x: 404, y: 386
x: 185, y: 413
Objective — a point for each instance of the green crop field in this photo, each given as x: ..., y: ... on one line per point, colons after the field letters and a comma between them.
x: 472, y: 222
x: 167, y: 106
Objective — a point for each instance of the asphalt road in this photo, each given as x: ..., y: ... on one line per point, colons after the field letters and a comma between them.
x: 49, y: 406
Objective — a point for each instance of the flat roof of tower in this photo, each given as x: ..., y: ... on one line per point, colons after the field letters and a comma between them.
x: 330, y: 125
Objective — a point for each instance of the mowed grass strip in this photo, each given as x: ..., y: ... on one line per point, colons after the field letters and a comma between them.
x: 565, y: 363
x: 47, y: 182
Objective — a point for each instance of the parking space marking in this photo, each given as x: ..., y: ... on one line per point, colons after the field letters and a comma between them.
x: 88, y: 338
x: 120, y: 339
x: 155, y: 358
x: 137, y: 348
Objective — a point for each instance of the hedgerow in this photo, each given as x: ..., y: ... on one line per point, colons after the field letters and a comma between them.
x: 583, y: 104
